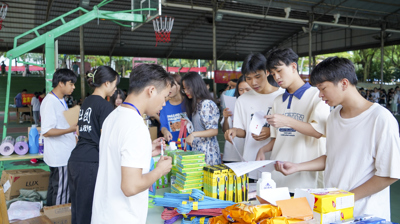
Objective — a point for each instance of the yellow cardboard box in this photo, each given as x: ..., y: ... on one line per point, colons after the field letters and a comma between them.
x: 331, y: 199
x: 335, y: 216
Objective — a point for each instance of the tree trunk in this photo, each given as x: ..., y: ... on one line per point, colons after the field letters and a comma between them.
x: 191, y: 65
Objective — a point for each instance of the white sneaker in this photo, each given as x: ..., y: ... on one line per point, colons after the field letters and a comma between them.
x: 21, y: 122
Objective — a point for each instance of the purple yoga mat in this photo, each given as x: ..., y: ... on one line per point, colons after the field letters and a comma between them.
x: 21, y: 145
x: 7, y: 146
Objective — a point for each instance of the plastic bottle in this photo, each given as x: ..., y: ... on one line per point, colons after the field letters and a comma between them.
x: 172, y: 146
x: 265, y: 182
x: 41, y: 144
x: 33, y: 140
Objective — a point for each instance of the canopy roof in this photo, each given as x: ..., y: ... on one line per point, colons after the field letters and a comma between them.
x: 243, y: 26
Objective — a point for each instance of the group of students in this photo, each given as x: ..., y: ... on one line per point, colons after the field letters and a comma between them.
x: 107, y: 171
x: 356, y: 145
x: 107, y: 175
x: 391, y: 100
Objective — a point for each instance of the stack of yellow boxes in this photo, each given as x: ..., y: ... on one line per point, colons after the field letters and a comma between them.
x: 189, y: 172
x: 220, y: 182
x: 332, y: 205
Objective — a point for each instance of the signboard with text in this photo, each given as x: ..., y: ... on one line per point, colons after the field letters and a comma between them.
x: 26, y: 98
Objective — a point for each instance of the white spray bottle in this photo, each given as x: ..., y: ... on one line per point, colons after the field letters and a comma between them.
x: 265, y: 182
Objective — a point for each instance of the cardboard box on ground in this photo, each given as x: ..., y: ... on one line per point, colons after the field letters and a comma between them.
x: 14, y: 180
x: 4, y: 215
x: 59, y: 214
x: 37, y: 220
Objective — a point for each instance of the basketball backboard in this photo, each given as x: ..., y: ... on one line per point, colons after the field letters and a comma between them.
x: 146, y: 5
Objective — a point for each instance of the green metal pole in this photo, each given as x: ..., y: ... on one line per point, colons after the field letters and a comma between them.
x: 50, y: 66
x: 48, y: 40
x: 7, y: 99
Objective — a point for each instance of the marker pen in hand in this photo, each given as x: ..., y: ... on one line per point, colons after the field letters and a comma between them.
x: 162, y: 148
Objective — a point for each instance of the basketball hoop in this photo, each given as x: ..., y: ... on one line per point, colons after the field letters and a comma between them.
x: 3, y: 13
x: 162, y: 28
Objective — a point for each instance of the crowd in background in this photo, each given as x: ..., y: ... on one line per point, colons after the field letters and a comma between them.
x: 389, y: 99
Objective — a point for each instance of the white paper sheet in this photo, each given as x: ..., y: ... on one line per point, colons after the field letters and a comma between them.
x: 242, y: 168
x: 257, y: 122
x: 275, y: 194
x: 230, y: 103
x: 6, y: 186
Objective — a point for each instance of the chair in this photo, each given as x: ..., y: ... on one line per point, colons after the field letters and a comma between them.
x: 4, y: 215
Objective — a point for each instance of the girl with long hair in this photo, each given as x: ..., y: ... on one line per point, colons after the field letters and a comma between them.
x: 204, y: 116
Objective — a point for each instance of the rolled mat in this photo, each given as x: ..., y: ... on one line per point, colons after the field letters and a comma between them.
x: 7, y: 146
x: 21, y: 145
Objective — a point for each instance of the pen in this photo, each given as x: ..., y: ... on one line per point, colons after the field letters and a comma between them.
x: 162, y: 150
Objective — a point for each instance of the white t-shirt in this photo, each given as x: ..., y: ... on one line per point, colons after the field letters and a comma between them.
x: 359, y: 148
x: 35, y: 104
x: 57, y: 149
x: 125, y: 141
x: 291, y: 145
x: 246, y: 105
x: 230, y: 153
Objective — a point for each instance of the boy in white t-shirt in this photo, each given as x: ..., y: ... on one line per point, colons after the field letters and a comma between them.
x: 60, y: 139
x: 363, y: 145
x: 123, y: 179
x: 260, y: 98
x: 297, y: 122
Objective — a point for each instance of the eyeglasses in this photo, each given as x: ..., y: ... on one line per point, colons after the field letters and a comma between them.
x: 183, y: 91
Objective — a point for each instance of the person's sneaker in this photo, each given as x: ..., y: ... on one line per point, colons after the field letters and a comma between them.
x: 21, y: 121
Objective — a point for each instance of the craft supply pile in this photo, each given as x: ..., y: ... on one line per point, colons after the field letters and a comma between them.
x: 216, y: 195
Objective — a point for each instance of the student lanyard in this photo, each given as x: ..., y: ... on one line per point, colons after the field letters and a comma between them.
x: 64, y: 105
x: 132, y: 106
